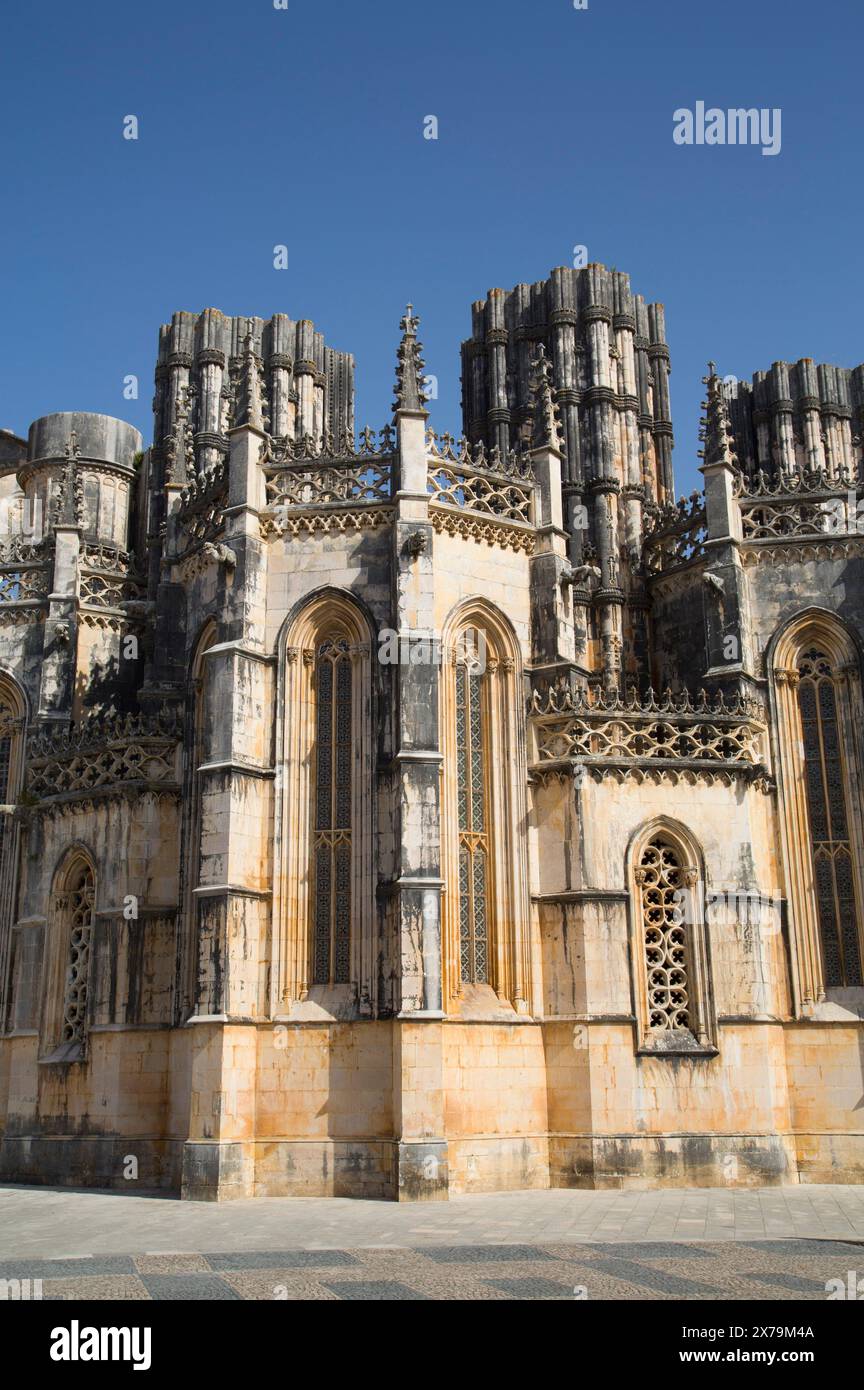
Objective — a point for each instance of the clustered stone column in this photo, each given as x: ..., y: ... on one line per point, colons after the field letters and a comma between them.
x: 610, y: 368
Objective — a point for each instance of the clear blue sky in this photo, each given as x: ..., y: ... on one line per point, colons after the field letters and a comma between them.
x: 304, y: 126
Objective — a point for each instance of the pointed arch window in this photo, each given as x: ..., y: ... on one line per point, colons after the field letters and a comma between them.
x: 12, y: 740
x: 474, y: 830
x: 70, y: 939
x: 486, y: 940
x: 325, y: 812
x: 333, y: 829
x: 837, y: 909
x: 818, y: 715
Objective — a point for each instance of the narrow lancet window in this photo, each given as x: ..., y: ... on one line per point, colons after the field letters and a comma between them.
x: 830, y: 846
x: 78, y: 905
x: 332, y: 838
x: 473, y: 825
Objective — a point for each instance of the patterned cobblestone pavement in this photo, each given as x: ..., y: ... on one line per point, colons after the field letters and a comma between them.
x: 792, y: 1270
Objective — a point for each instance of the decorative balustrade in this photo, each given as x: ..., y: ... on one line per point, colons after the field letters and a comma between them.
x: 108, y: 577
x: 322, y: 486
x: 201, y: 506
x: 673, y: 731
x: 675, y: 535
x: 804, y: 504
x: 24, y: 583
x: 475, y: 481
x: 25, y: 571
x: 448, y: 449
x: 105, y: 752
x: 280, y: 453
x: 327, y: 484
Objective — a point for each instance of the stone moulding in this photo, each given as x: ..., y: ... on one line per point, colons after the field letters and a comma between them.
x: 485, y: 530
x: 794, y: 548
x: 287, y: 521
x: 656, y: 772
x: 22, y: 614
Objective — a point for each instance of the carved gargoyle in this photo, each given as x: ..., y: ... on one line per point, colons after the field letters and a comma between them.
x: 417, y: 543
x: 220, y: 555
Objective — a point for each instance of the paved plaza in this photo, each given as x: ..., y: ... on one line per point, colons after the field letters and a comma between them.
x: 768, y: 1243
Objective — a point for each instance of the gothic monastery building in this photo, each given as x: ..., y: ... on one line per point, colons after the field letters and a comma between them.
x: 390, y: 815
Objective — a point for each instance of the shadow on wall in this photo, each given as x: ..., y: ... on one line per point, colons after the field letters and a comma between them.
x: 110, y: 685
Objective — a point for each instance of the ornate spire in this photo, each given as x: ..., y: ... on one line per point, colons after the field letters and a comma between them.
x: 409, y: 366
x: 250, y: 406
x: 545, y: 424
x: 179, y: 446
x: 69, y: 502
x: 715, y: 430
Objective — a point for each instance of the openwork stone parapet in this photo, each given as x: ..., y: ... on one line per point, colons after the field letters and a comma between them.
x: 103, y: 753
x: 282, y: 452
x: 604, y: 732
x: 675, y: 535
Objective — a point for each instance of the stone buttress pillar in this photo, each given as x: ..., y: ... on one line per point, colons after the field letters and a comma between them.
x: 232, y: 893
x: 418, y: 1091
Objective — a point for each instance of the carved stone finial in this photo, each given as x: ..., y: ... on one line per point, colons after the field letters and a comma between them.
x: 179, y: 445
x: 69, y: 502
x: 410, y: 394
x: 544, y: 421
x: 716, y: 430
x: 250, y: 406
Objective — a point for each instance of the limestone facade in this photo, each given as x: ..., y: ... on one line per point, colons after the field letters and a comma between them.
x: 400, y: 815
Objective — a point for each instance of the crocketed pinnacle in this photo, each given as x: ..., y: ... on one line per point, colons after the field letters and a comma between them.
x: 409, y: 366
x: 250, y: 408
x: 69, y: 503
x: 715, y: 430
x: 179, y: 446
x: 545, y: 424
